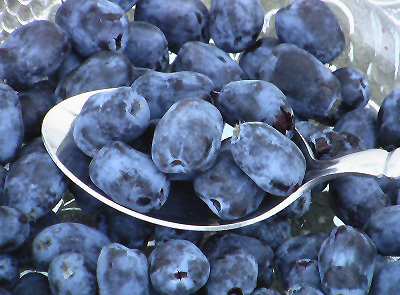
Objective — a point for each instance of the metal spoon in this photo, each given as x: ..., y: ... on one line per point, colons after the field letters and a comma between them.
x: 188, y: 212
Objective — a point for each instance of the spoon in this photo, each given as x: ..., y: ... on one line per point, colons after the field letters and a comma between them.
x: 189, y: 212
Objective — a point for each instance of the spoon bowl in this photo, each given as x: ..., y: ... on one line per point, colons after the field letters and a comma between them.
x: 188, y: 212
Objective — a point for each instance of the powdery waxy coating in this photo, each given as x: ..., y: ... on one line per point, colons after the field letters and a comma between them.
x: 311, y: 88
x: 180, y: 20
x: 11, y: 124
x: 34, y: 185
x: 9, y: 270
x: 389, y: 121
x: 304, y: 271
x: 268, y: 157
x: 178, y: 267
x: 346, y: 262
x: 188, y: 137
x: 255, y: 100
x: 119, y: 114
x: 105, y: 69
x: 234, y: 273
x: 68, y: 274
x: 227, y: 190
x: 311, y: 25
x: 68, y: 237
x: 354, y: 199
x: 147, y: 46
x: 383, y: 230
x: 122, y: 271
x: 386, y: 281
x: 265, y: 291
x: 219, y: 245
x: 129, y: 177
x: 251, y: 59
x: 303, y: 289
x: 162, y: 90
x: 32, y: 52
x: 235, y: 24
x: 14, y: 229
x: 163, y: 234
x: 93, y: 25
x: 210, y: 61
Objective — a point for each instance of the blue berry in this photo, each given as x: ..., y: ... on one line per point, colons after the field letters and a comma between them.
x: 120, y: 114
x: 68, y: 237
x: 129, y: 177
x: 346, y: 262
x: 147, y: 46
x: 311, y: 25
x: 12, y: 126
x: 180, y: 20
x: 383, y: 230
x: 265, y: 291
x: 304, y: 271
x: 386, y: 282
x: 188, y: 137
x: 68, y: 274
x: 210, y: 61
x: 163, y: 234
x: 122, y: 271
x: 34, y: 145
x: 34, y: 283
x: 303, y: 289
x: 235, y: 24
x: 255, y: 100
x: 311, y: 89
x: 269, y: 158
x: 388, y: 121
x: 178, y: 267
x: 162, y: 90
x: 299, y: 207
x: 93, y: 25
x: 126, y: 5
x: 3, y: 174
x: 390, y: 186
x: 9, y: 271
x: 34, y: 185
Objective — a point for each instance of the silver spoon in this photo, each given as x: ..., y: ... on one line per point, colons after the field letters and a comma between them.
x: 192, y: 213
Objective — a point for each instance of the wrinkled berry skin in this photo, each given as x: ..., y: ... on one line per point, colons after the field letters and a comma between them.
x: 119, y: 114
x: 233, y: 273
x: 129, y: 177
x: 383, y: 230
x: 147, y: 46
x: 354, y: 199
x: 32, y: 52
x: 93, y: 25
x: 303, y: 289
x: 269, y: 158
x: 210, y: 61
x: 304, y: 271
x: 68, y: 237
x: 227, y: 190
x: 32, y: 283
x: 123, y: 229
x: 235, y: 24
x: 105, y: 69
x: 9, y: 271
x: 346, y: 262
x: 362, y: 123
x: 35, y: 103
x: 180, y: 20
x: 34, y: 184
x: 188, y: 137
x: 251, y: 59
x: 178, y: 267
x: 163, y: 234
x: 123, y: 271
x: 68, y: 274
x: 219, y: 244
x: 312, y: 26
x: 12, y: 124
x: 162, y: 90
x: 255, y: 100
x: 388, y: 121
x: 386, y: 282
x: 311, y: 89
x: 15, y: 229
x: 272, y: 231
x: 300, y: 247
